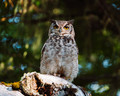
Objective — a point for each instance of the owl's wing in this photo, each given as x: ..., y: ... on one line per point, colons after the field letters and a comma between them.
x: 43, y: 49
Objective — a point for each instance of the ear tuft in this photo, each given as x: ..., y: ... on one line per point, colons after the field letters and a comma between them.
x: 52, y: 21
x: 71, y: 21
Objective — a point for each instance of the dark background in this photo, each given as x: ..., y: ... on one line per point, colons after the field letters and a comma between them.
x: 24, y: 28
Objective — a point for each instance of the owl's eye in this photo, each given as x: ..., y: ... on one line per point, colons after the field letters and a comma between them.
x: 66, y: 27
x: 55, y: 26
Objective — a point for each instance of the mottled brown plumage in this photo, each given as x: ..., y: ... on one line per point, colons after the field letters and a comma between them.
x: 60, y: 53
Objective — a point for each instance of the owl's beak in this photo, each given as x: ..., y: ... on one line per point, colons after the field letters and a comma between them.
x: 60, y: 30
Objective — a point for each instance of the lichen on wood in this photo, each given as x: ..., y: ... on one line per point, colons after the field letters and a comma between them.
x: 14, y: 85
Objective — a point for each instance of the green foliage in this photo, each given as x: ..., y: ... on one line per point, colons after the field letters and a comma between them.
x: 24, y: 28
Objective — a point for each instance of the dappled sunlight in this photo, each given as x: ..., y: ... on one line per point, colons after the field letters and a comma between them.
x: 14, y: 20
x: 118, y: 93
x: 23, y: 67
x: 98, y: 88
x: 37, y: 43
x: 116, y: 6
x: 2, y: 66
x: 106, y: 63
x: 16, y: 46
x: 25, y: 54
x: 57, y: 11
x: 10, y: 67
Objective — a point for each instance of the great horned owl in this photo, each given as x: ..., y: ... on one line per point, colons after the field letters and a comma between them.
x: 60, y: 53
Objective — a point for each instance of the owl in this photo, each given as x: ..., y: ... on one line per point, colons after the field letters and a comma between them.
x: 60, y: 53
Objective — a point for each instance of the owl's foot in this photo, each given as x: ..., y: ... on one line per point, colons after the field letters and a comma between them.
x: 58, y: 75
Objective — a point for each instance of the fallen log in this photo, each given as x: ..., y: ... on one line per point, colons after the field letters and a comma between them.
x: 36, y: 84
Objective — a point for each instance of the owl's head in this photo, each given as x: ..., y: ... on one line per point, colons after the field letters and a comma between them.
x: 62, y: 28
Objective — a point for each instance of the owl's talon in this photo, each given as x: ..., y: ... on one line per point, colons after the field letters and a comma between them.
x: 56, y: 75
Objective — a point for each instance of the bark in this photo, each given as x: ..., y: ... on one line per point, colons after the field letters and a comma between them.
x: 36, y: 84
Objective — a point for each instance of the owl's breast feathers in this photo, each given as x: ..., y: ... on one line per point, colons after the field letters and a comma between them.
x: 60, y: 42
x: 64, y: 39
x: 60, y: 56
